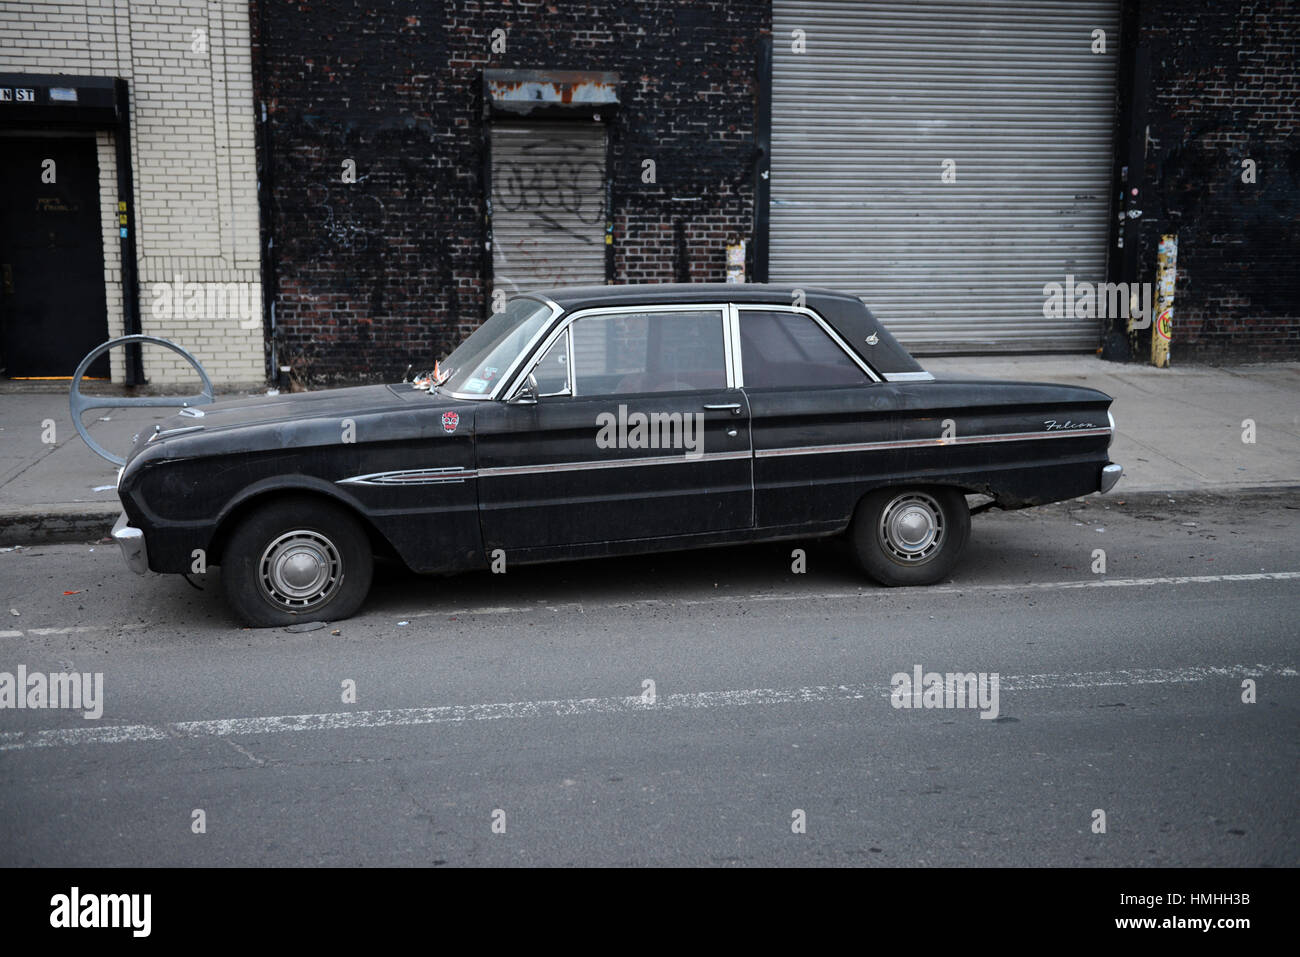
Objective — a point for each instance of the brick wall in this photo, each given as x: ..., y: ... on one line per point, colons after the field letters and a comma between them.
x: 192, y: 128
x: 391, y: 269
x: 1225, y: 87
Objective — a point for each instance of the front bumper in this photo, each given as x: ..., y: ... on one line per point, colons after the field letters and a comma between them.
x: 131, y: 541
x: 1109, y: 476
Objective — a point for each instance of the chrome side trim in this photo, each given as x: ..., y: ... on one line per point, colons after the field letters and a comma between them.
x: 444, y: 476
x: 908, y: 377
x: 925, y: 443
x: 131, y: 541
x: 411, y: 477
x: 612, y: 464
x: 453, y: 475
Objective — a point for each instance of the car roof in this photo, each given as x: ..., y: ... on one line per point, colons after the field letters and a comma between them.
x: 650, y: 293
x: 848, y: 315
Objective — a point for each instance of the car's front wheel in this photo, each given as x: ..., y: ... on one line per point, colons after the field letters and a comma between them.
x: 295, y: 560
x: 910, y: 536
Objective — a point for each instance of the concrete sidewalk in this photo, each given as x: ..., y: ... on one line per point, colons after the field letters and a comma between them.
x: 1179, y: 429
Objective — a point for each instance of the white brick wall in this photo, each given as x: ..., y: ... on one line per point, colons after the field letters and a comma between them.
x: 192, y: 129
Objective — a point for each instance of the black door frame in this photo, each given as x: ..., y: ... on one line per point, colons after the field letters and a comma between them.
x: 59, y: 102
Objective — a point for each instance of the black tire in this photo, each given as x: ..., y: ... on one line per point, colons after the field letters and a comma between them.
x: 910, y: 536
x: 294, y: 560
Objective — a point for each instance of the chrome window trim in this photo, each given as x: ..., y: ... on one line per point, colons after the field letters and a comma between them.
x: 522, y: 376
x: 735, y: 368
x: 803, y: 311
x: 568, y: 365
x: 908, y: 377
x: 510, y: 370
x: 573, y: 375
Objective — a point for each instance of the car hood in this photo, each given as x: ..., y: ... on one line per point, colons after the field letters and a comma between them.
x: 267, y: 410
x: 270, y: 411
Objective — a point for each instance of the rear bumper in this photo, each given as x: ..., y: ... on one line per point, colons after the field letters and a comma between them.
x: 131, y: 541
x: 1109, y: 476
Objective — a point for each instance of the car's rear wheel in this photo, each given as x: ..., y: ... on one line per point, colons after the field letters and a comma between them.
x: 910, y: 536
x: 296, y: 560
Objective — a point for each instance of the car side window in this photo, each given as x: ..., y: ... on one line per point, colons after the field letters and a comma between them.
x: 789, y: 350
x: 629, y: 352
x: 552, y: 370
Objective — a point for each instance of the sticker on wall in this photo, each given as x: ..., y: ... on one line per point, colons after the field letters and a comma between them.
x: 1165, y: 325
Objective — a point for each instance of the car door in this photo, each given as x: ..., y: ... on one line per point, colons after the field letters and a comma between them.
x: 821, y: 420
x: 637, y: 432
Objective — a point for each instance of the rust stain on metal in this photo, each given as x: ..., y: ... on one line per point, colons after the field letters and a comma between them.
x: 522, y: 90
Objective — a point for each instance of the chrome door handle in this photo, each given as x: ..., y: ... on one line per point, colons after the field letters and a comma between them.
x: 733, y: 406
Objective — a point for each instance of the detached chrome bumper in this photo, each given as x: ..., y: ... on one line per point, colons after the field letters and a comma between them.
x: 131, y: 541
x: 1109, y: 476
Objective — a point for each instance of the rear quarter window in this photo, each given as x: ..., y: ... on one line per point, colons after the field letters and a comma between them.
x: 790, y: 350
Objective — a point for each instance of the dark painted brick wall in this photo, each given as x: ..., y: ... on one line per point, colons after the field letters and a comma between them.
x: 391, y: 269
x: 1225, y: 86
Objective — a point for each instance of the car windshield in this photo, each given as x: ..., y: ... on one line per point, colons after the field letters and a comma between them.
x: 478, y: 363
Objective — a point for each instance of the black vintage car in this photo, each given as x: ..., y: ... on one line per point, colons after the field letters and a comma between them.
x: 588, y: 422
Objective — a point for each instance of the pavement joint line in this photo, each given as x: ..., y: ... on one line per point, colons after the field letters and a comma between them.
x: 570, y: 707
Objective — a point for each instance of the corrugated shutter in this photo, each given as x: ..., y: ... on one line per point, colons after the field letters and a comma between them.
x: 863, y: 121
x: 548, y: 216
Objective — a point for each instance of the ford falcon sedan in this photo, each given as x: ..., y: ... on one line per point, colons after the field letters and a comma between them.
x: 610, y: 420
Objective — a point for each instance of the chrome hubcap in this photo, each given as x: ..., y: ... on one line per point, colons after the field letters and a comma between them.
x: 300, y: 569
x: 911, y: 527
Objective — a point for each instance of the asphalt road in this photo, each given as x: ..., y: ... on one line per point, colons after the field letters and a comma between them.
x: 520, y: 700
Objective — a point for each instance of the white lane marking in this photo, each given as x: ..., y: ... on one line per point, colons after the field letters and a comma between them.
x: 879, y: 593
x: 458, y: 714
x: 70, y: 630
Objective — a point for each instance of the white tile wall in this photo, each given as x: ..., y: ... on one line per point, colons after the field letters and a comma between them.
x: 192, y: 126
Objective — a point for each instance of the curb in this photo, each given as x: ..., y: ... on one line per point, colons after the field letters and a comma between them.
x: 54, y: 524
x: 1224, y: 494
x: 84, y: 522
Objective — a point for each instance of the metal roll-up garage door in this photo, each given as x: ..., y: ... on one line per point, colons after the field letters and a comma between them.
x: 863, y: 121
x: 548, y: 212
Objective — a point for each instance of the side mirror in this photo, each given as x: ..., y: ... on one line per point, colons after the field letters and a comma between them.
x: 526, y: 394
